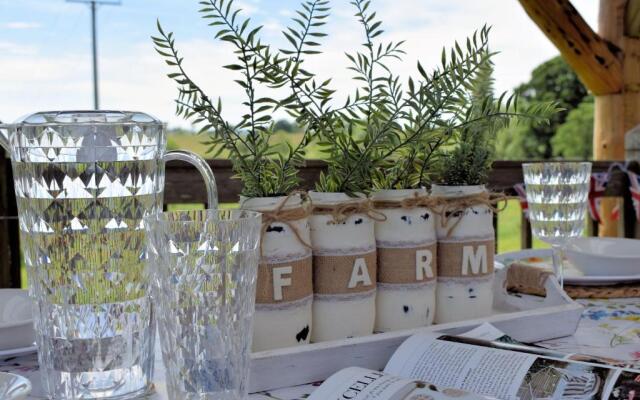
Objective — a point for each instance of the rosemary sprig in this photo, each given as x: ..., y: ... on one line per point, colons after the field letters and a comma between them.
x: 468, y: 160
x: 385, y: 135
x: 395, y: 140
x: 265, y: 168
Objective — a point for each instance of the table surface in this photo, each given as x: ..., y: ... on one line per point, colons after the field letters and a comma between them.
x: 608, y: 328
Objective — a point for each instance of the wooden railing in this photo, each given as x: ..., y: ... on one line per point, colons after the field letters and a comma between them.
x: 183, y: 184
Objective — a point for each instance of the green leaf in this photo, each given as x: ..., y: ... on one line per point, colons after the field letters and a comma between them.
x: 233, y: 67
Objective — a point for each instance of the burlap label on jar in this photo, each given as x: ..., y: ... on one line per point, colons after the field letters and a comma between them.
x: 284, y: 281
x: 466, y: 258
x: 407, y: 265
x: 344, y: 274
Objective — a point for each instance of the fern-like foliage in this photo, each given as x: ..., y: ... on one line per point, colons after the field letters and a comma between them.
x: 455, y: 107
x: 362, y: 128
x: 265, y: 168
x: 468, y: 161
x: 388, y: 135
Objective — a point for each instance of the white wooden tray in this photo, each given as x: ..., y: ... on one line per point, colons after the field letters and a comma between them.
x: 523, y: 317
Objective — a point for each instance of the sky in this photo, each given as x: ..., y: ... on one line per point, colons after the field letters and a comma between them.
x: 45, y: 48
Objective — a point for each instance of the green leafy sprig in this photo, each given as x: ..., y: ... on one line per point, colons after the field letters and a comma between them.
x: 264, y: 167
x: 385, y: 135
x: 448, y: 108
x: 388, y: 135
x: 469, y: 159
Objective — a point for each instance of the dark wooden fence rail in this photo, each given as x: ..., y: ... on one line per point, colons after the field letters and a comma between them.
x: 9, y: 236
x: 183, y: 184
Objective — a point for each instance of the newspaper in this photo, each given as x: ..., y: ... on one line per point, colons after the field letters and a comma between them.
x: 363, y: 384
x: 481, y: 364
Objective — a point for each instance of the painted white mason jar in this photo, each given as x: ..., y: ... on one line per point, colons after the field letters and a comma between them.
x: 344, y: 270
x: 466, y: 247
x: 407, y: 264
x: 284, y: 293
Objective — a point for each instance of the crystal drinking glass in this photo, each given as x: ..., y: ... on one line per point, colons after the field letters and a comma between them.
x: 557, y: 195
x: 204, y: 268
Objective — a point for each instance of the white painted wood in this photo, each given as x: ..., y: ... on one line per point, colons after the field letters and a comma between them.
x: 523, y: 317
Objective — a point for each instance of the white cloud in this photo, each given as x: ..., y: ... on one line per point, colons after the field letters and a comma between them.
x: 21, y: 25
x: 272, y: 26
x: 142, y: 84
x: 247, y: 8
x: 134, y: 76
x: 8, y: 49
x: 429, y: 25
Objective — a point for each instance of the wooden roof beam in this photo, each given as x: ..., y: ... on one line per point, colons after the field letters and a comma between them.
x: 632, y: 19
x: 597, y: 62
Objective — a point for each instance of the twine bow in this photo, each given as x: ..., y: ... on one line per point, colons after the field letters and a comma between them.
x: 454, y: 207
x: 286, y: 216
x: 341, y: 211
x: 415, y: 201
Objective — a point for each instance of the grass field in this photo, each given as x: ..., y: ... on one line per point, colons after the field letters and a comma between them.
x: 508, y: 228
x: 508, y: 220
x: 508, y: 224
x: 195, y: 143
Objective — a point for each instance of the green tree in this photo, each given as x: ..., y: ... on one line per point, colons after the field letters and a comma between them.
x: 515, y: 143
x: 552, y: 80
x: 574, y: 138
x: 469, y: 161
x: 285, y: 125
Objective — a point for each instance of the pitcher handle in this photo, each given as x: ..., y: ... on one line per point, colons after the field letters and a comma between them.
x: 202, y: 167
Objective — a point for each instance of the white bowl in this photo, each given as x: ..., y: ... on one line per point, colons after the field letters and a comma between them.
x: 16, y: 320
x: 14, y: 387
x: 605, y: 256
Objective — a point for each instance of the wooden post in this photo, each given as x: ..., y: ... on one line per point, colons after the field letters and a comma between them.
x: 616, y: 113
x: 608, y: 63
x: 495, y: 229
x: 526, y: 240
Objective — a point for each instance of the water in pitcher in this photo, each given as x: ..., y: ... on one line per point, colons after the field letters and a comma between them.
x: 84, y: 248
x: 84, y: 180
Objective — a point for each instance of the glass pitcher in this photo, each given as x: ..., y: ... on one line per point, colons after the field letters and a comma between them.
x: 84, y: 180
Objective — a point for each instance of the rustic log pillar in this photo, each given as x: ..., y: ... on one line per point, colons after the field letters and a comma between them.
x: 617, y: 113
x: 608, y: 138
x: 607, y: 63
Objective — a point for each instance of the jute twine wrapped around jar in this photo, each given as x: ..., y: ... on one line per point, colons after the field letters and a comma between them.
x: 407, y: 259
x: 466, y: 248
x: 344, y: 266
x: 284, y: 290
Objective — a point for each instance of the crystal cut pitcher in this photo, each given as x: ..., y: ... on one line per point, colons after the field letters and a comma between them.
x: 84, y: 180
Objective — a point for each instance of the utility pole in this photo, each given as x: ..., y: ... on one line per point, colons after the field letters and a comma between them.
x: 94, y: 45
